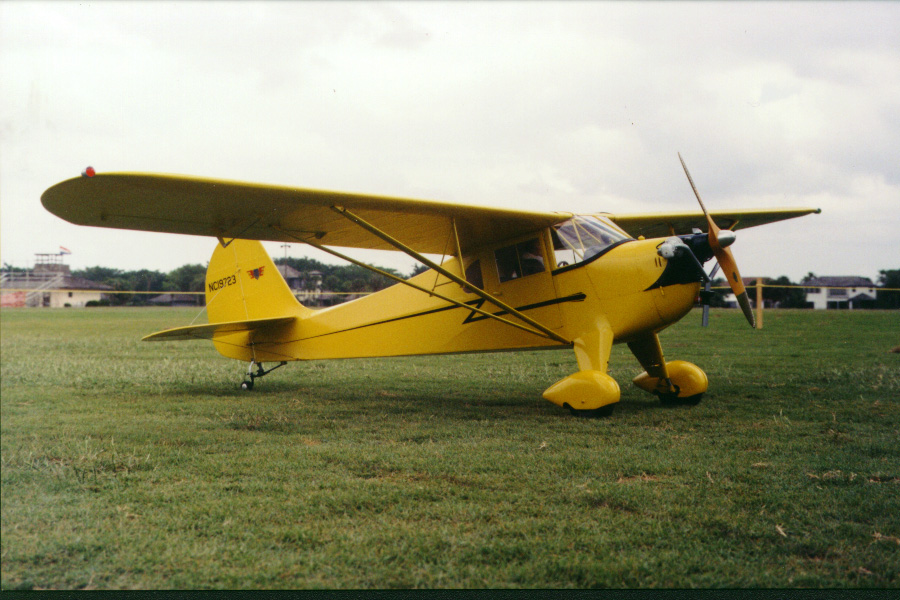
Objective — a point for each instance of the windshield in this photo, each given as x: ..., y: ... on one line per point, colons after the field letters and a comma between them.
x: 584, y: 237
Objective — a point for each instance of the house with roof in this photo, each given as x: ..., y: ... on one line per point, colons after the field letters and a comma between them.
x: 49, y: 284
x: 306, y: 285
x: 177, y: 299
x: 850, y: 292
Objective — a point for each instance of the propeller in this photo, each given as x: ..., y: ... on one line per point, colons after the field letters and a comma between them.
x: 719, y: 241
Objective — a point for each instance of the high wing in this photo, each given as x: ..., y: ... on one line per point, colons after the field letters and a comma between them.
x: 652, y: 225
x: 213, y: 330
x: 231, y: 209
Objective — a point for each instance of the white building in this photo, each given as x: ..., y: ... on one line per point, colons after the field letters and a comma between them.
x: 49, y: 284
x: 840, y: 292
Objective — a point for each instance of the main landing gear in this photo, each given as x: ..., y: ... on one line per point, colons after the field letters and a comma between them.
x: 673, y: 399
x: 682, y: 383
x: 260, y: 371
x: 595, y: 413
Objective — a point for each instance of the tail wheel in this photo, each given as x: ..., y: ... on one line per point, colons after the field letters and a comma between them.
x: 247, y: 384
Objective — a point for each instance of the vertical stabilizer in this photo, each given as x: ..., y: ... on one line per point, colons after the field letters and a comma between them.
x: 242, y: 283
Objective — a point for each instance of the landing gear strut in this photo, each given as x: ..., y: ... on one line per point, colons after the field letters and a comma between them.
x: 260, y: 371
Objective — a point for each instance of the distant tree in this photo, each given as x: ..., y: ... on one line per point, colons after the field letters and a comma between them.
x: 115, y: 278
x: 146, y: 280
x: 121, y: 283
x: 784, y: 297
x: 418, y: 269
x: 718, y: 297
x: 8, y: 268
x: 104, y: 275
x: 187, y: 278
x: 342, y: 278
x: 888, y: 278
x: 192, y: 278
x: 331, y: 283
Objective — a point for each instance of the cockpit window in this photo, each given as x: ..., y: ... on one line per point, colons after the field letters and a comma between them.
x: 581, y: 238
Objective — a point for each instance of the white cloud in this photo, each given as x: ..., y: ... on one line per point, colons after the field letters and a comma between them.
x: 577, y: 106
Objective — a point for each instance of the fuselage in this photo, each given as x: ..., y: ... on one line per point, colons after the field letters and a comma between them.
x: 615, y: 287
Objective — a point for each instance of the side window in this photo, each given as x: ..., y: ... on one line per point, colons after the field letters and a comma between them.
x: 473, y: 276
x: 520, y: 260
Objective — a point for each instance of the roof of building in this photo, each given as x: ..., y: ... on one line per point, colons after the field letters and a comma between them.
x: 23, y: 281
x: 287, y: 271
x: 80, y: 283
x: 170, y: 298
x: 848, y: 281
x: 751, y: 281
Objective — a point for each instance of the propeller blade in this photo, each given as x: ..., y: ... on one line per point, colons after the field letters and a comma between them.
x: 729, y: 268
x: 713, y: 228
x: 723, y: 255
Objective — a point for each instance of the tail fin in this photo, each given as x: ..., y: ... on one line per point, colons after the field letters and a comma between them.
x: 242, y: 283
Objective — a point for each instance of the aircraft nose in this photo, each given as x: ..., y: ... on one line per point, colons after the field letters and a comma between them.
x: 726, y: 238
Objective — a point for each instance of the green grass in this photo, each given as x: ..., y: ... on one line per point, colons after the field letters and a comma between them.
x: 135, y: 465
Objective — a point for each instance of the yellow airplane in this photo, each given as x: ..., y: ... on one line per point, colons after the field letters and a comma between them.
x: 506, y: 280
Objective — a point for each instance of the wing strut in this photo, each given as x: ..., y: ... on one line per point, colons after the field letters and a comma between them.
x: 452, y: 276
x: 459, y: 256
x: 422, y: 289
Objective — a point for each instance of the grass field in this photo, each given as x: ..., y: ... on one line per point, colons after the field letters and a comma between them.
x: 135, y: 465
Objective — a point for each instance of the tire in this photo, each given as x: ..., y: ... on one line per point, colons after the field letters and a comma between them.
x: 674, y: 400
x: 596, y: 413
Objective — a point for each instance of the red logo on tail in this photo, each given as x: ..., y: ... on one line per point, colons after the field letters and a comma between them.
x: 256, y: 273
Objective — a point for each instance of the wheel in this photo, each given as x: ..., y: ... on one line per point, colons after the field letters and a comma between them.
x: 596, y: 413
x: 674, y: 400
x: 247, y: 385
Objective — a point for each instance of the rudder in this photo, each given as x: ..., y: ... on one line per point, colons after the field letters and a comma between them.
x: 242, y: 283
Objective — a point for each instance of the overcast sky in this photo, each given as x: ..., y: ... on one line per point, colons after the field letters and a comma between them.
x: 553, y: 106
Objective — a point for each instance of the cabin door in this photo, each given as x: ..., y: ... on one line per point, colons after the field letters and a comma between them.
x: 519, y: 275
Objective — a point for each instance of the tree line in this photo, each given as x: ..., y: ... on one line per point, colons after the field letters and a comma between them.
x: 355, y: 279
x: 192, y: 278
x: 342, y: 278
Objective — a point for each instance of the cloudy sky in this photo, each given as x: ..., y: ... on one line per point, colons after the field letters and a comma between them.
x: 562, y: 106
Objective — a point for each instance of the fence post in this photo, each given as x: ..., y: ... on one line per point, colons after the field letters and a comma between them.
x: 759, y: 302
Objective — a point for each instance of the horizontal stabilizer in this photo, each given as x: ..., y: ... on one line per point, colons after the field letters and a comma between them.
x: 214, y: 330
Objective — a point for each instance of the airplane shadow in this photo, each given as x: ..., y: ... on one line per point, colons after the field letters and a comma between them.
x: 405, y: 402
